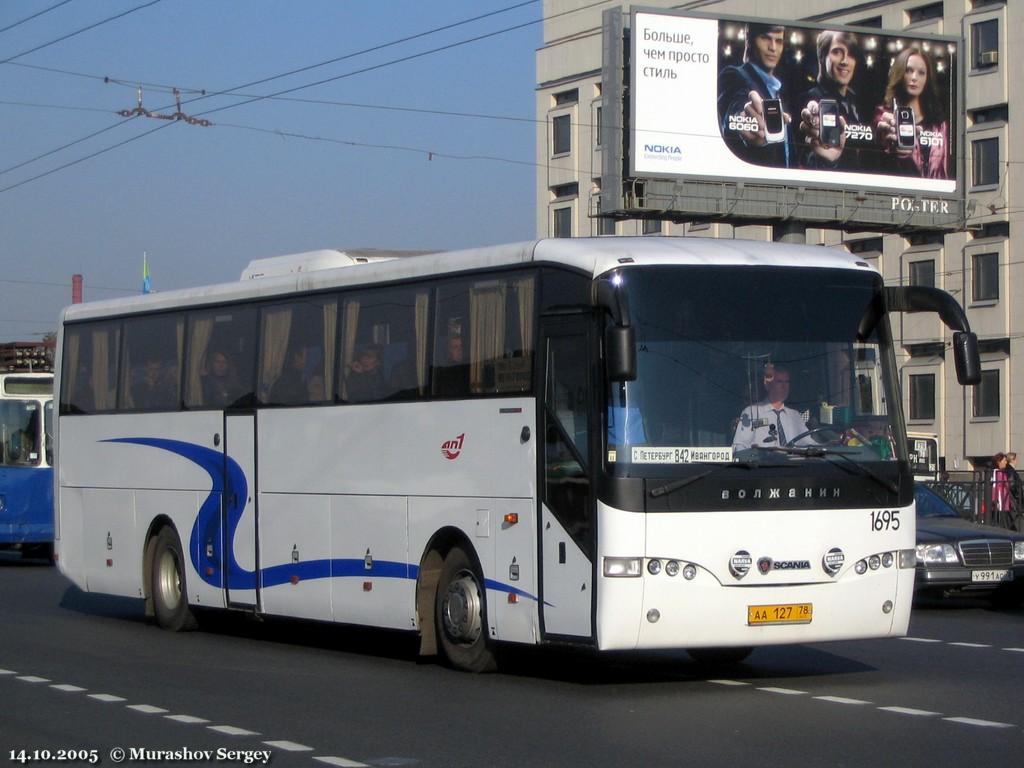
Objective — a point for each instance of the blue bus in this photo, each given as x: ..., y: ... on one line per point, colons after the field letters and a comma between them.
x: 26, y: 463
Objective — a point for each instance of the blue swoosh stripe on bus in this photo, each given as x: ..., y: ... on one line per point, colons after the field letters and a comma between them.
x: 207, y: 528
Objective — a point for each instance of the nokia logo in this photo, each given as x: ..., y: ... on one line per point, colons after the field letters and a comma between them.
x: 765, y: 565
x: 663, y: 149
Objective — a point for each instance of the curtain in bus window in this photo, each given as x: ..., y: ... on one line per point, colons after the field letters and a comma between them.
x: 200, y: 330
x: 103, y: 365
x: 348, y: 355
x: 74, y: 385
x: 422, y: 338
x: 487, y: 333
x: 524, y: 294
x: 277, y: 324
x: 330, y: 323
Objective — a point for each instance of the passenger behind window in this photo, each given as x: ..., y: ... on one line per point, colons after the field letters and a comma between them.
x: 451, y: 378
x: 291, y: 387
x: 153, y: 388
x: 365, y: 382
x: 220, y: 381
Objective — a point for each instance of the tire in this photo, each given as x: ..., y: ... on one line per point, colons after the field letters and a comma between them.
x: 167, y: 584
x: 719, y: 656
x: 460, y: 615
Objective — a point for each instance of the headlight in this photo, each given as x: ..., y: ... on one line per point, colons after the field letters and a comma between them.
x: 932, y: 554
x: 622, y: 566
x: 1018, y: 551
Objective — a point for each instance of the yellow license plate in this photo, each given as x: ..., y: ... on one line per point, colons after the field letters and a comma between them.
x: 790, y: 613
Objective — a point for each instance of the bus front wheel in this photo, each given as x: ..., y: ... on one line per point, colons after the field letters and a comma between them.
x: 460, y: 615
x: 167, y: 584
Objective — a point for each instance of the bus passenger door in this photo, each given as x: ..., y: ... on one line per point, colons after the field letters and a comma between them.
x: 240, y: 561
x: 567, y: 516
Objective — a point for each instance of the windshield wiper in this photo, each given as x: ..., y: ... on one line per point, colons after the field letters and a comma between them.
x: 675, y: 485
x: 817, y: 451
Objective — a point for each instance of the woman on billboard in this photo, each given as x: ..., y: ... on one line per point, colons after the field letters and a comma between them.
x: 909, y: 124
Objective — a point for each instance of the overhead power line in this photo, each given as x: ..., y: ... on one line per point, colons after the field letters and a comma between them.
x: 34, y: 16
x: 62, y: 38
x: 310, y: 85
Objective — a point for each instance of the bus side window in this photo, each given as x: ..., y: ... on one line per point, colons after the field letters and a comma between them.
x: 220, y: 359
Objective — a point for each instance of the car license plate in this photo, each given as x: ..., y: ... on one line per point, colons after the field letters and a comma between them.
x: 790, y: 613
x: 992, y: 575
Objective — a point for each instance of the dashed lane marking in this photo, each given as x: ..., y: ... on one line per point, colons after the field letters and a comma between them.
x: 232, y: 730
x: 909, y: 711
x: 187, y: 719
x: 288, y: 746
x: 229, y: 730
x: 971, y: 645
x: 841, y: 700
x: 784, y: 691
x: 341, y: 761
x: 982, y: 723
x: 147, y: 709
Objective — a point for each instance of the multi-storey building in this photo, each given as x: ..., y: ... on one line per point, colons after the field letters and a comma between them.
x: 979, y: 263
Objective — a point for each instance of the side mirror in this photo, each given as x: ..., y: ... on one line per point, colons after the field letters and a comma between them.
x: 620, y: 353
x: 966, y: 358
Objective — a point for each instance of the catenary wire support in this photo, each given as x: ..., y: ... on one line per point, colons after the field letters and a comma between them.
x: 141, y: 111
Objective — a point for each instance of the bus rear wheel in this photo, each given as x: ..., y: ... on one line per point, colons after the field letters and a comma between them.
x: 461, y: 616
x: 167, y: 584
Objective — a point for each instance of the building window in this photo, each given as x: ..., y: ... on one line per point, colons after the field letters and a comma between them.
x: 985, y: 276
x: 605, y: 226
x: 985, y: 44
x: 986, y: 396
x: 567, y: 97
x: 993, y: 229
x: 999, y: 113
x: 561, y: 137
x: 986, y: 162
x: 922, y: 397
x: 923, y: 273
x: 924, y: 13
x: 597, y: 127
x: 562, y: 222
x: 652, y: 226
x: 875, y: 22
x: 865, y: 245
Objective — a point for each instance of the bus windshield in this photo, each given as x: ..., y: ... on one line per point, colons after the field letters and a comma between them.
x: 19, y: 433
x: 758, y: 366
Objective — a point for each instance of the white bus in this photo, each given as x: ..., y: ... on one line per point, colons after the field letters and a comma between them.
x: 532, y: 443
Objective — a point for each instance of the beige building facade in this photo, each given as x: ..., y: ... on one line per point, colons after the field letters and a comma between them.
x: 981, y: 265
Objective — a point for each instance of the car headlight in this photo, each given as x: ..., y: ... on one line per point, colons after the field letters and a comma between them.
x: 932, y: 554
x: 1018, y: 551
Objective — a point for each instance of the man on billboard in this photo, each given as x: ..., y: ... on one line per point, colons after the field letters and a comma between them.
x: 752, y: 110
x: 831, y: 105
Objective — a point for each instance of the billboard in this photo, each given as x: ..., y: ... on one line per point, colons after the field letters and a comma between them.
x: 793, y: 104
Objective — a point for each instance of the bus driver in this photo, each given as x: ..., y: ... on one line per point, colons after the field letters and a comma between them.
x: 770, y: 423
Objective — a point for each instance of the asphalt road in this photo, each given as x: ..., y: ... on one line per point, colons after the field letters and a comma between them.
x: 86, y: 672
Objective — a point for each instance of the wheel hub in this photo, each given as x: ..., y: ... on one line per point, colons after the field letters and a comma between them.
x: 461, y: 609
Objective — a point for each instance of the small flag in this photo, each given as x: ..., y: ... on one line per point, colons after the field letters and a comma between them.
x: 147, y: 282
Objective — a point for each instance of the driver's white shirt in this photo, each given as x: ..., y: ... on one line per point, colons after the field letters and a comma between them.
x: 758, y: 425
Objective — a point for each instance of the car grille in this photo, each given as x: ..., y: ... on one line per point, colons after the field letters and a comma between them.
x: 985, y: 553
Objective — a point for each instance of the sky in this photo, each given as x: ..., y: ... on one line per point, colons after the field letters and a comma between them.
x: 370, y: 164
